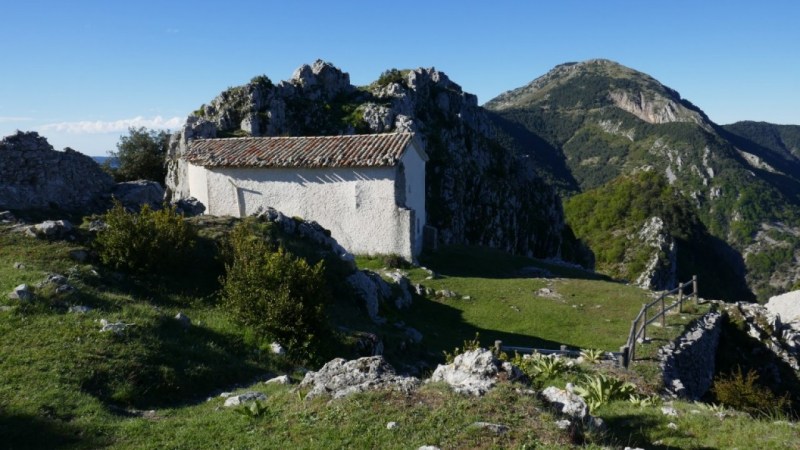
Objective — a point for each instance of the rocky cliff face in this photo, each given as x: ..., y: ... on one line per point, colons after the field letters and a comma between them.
x: 478, y: 192
x: 35, y: 176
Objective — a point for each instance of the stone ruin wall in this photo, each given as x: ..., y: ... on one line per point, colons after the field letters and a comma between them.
x: 35, y: 176
x: 688, y: 363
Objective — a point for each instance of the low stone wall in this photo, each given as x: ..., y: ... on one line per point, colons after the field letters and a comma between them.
x: 688, y: 363
x: 35, y: 176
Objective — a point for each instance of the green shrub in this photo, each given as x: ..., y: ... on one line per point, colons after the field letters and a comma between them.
x: 742, y: 392
x: 144, y: 241
x: 281, y: 297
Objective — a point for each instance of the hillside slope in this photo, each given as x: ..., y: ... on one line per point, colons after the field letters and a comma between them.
x: 598, y: 120
x: 478, y: 192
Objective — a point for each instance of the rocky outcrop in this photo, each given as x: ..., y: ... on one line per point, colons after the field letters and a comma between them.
x: 475, y: 372
x: 687, y: 364
x: 661, y: 270
x: 478, y: 192
x: 654, y: 108
x: 35, y: 176
x: 763, y: 324
x: 340, y: 378
x: 786, y: 306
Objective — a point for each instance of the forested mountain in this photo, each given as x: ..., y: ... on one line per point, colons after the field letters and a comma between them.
x: 585, y: 124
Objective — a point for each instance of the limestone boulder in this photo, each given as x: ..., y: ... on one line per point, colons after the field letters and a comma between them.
x: 566, y: 403
x: 787, y: 306
x: 474, y: 372
x: 340, y: 378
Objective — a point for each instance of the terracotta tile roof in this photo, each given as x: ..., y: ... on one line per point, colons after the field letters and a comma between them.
x: 363, y: 150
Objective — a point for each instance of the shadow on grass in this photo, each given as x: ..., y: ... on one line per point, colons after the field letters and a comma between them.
x: 626, y: 431
x: 444, y: 329
x: 23, y: 431
x: 167, y: 365
x: 483, y: 262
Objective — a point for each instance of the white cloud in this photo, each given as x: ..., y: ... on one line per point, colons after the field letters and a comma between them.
x: 114, y: 126
x: 4, y: 119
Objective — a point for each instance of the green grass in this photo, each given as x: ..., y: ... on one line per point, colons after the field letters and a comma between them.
x: 66, y: 385
x: 586, y: 310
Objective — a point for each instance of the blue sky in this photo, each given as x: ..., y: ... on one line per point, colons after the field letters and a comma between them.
x: 81, y: 72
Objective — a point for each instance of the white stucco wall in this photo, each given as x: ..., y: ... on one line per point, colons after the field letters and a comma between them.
x: 357, y: 205
x: 414, y: 170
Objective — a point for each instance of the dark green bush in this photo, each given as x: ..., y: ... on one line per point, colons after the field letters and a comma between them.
x: 742, y: 392
x: 281, y: 297
x: 144, y: 241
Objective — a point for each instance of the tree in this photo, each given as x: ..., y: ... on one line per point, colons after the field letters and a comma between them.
x: 142, y: 155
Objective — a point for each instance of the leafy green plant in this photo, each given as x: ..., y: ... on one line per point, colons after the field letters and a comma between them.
x: 644, y: 401
x: 281, y: 297
x: 538, y: 367
x: 600, y: 389
x: 253, y: 409
x: 592, y: 355
x: 742, y: 392
x: 469, y: 345
x: 144, y: 241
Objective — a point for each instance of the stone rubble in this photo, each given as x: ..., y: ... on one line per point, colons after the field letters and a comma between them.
x: 22, y: 293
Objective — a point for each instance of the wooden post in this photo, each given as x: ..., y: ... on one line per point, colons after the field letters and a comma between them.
x: 644, y: 325
x: 497, y: 346
x: 694, y: 287
x: 680, y: 299
x: 622, y: 360
x: 632, y: 350
x: 663, y: 315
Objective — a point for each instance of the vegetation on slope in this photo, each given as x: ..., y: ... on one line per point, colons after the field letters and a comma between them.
x: 68, y: 385
x: 608, y: 220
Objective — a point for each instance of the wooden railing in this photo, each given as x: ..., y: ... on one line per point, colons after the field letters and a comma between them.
x: 647, y: 316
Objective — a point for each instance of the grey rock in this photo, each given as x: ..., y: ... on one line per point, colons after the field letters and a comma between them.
x: 65, y: 289
x: 189, y: 207
x: 236, y: 400
x: 496, y: 428
x: 19, y: 265
x: 566, y: 403
x: 428, y: 447
x: 114, y: 327
x: 52, y: 229
x: 53, y: 279
x: 391, y: 425
x: 7, y: 217
x: 22, y: 293
x: 283, y: 379
x: 405, y: 299
x: 183, y: 320
x: 97, y: 225
x: 563, y: 424
x: 473, y: 372
x: 372, y: 289
x: 135, y: 194
x: 5, y: 308
x: 445, y: 293
x: 340, y: 378
x: 79, y: 309
x: 669, y: 411
x: 276, y: 349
